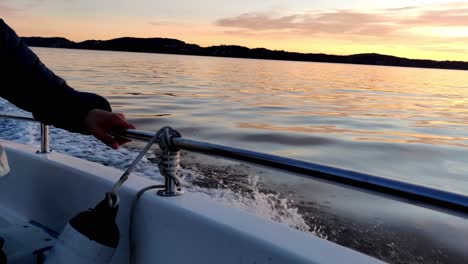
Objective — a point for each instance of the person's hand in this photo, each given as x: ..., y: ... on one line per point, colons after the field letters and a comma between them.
x: 100, y: 122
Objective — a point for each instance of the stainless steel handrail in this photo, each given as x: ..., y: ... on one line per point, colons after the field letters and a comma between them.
x: 400, y: 190
x: 396, y: 189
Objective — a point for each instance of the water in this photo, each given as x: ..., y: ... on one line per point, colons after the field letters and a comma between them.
x: 401, y: 123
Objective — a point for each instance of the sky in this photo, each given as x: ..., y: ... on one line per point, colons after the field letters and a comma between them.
x: 425, y: 29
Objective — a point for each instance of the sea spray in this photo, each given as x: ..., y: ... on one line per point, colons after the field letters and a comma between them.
x: 248, y: 197
x: 245, y: 194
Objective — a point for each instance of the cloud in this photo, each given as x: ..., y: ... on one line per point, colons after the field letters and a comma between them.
x: 381, y: 22
x: 259, y: 21
x: 442, y: 18
x: 328, y: 22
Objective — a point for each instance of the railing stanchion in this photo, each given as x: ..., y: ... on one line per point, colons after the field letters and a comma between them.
x: 44, y: 139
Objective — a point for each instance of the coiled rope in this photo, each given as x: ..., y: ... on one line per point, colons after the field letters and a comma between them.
x: 169, y: 161
x: 168, y: 165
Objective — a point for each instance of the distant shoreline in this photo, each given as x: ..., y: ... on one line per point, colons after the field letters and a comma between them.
x: 174, y: 46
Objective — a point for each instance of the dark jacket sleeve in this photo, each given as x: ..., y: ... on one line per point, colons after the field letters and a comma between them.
x: 30, y: 85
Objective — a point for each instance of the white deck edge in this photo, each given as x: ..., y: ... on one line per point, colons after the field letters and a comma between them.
x: 188, y: 228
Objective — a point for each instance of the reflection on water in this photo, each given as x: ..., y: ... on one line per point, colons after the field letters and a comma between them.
x: 384, y: 136
x: 395, y: 122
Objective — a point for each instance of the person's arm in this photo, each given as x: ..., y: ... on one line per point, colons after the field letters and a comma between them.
x: 30, y: 85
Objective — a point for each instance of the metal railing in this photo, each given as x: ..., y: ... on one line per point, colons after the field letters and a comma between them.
x: 399, y: 190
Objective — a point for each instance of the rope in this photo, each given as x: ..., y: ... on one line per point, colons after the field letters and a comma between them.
x: 165, y: 136
x: 124, y: 176
x: 169, y: 161
x: 168, y: 165
x: 131, y: 227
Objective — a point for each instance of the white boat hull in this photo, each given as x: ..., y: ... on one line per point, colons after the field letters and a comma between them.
x: 51, y: 188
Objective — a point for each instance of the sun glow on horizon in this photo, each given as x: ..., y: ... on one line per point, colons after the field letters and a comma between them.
x: 449, y: 32
x: 425, y: 30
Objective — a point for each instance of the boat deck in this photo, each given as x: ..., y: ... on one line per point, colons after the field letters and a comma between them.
x: 190, y: 228
x: 25, y: 241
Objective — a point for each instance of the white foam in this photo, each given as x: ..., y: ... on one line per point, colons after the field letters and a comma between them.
x: 268, y: 206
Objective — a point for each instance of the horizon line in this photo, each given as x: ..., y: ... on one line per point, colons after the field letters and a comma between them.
x: 253, y: 48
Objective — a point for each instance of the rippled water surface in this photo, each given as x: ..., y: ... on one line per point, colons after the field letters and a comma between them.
x: 401, y: 123
x: 396, y: 122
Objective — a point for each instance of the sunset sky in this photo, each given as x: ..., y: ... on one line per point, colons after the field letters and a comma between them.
x: 432, y: 29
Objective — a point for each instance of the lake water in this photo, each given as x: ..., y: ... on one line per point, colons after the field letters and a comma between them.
x: 404, y: 123
x: 401, y: 123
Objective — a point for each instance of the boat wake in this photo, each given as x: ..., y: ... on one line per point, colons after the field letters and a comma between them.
x: 233, y: 185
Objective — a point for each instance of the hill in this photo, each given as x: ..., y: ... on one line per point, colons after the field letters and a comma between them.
x: 174, y: 46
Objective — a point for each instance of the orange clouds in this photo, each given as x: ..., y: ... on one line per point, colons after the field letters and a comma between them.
x: 354, y: 22
x: 437, y: 31
x: 329, y: 22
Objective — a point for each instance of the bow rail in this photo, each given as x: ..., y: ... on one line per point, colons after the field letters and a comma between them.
x: 396, y: 189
